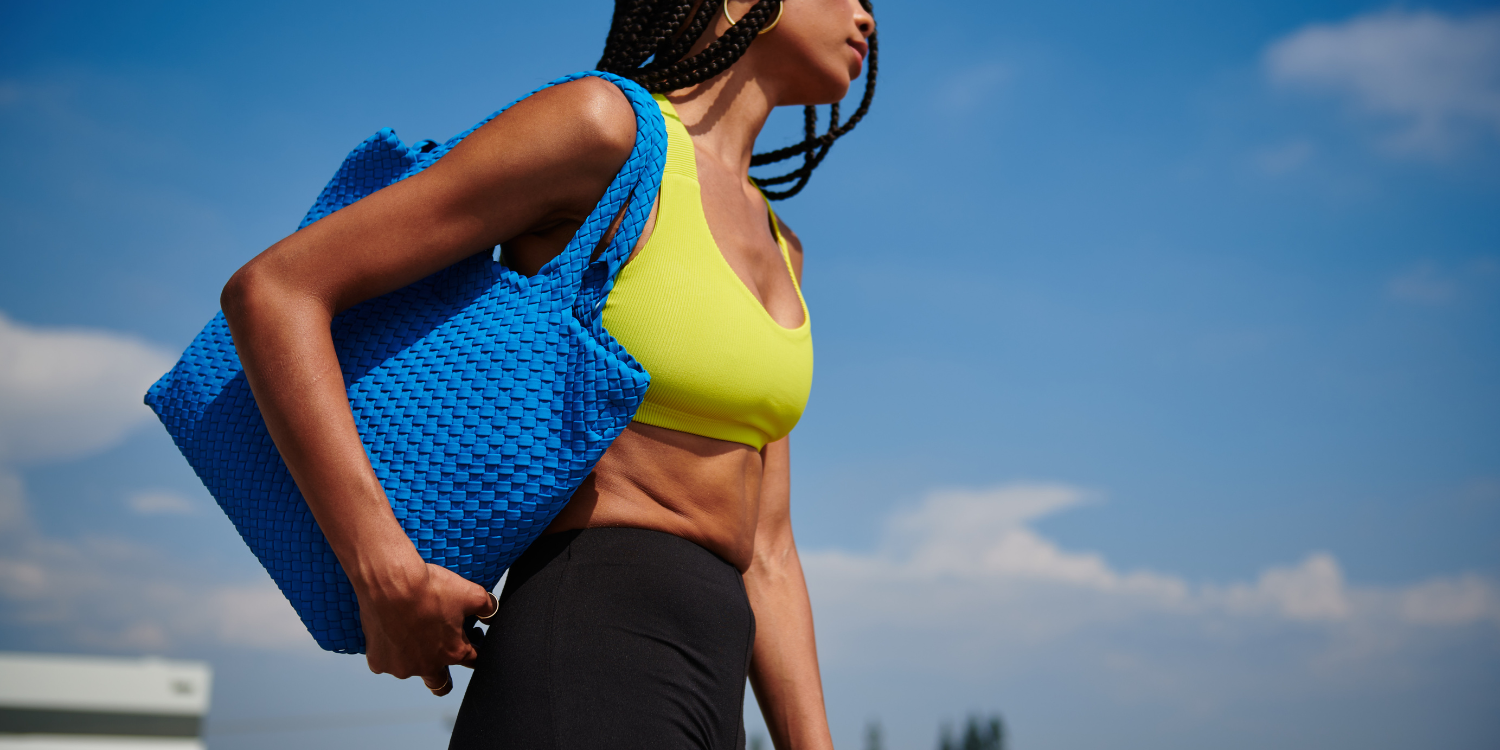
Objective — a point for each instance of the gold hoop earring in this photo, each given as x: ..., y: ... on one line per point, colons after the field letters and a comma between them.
x: 779, y: 10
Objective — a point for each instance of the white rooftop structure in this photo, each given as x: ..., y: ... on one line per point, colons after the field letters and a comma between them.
x: 55, y: 702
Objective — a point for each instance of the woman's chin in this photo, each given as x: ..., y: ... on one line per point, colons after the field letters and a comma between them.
x: 832, y: 92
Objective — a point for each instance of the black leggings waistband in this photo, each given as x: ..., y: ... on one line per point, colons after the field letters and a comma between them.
x: 618, y: 638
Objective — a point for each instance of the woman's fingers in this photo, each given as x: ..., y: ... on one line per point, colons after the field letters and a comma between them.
x: 475, y: 600
x: 424, y: 631
x: 480, y: 604
x: 489, y: 609
x: 470, y: 656
x: 440, y: 683
x: 455, y: 599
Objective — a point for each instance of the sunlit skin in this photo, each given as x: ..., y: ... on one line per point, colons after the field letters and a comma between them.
x: 725, y: 496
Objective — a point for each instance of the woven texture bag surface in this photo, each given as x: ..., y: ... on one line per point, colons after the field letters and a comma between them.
x: 483, y: 397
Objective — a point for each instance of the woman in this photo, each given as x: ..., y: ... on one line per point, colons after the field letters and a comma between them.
x: 672, y: 571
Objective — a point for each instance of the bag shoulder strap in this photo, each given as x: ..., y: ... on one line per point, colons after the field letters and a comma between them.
x: 632, y: 193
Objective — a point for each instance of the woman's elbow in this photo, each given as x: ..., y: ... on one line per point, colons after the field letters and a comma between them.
x: 241, y: 293
x: 775, y: 555
x: 255, y: 291
x: 232, y: 297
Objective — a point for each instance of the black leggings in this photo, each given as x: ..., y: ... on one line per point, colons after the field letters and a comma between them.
x: 613, y: 638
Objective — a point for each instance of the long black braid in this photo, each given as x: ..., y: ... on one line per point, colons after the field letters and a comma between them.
x: 649, y: 41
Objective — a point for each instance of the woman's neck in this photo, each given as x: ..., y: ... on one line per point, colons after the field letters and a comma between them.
x: 725, y: 115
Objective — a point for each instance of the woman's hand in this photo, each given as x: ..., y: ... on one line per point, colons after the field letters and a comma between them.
x: 414, y: 616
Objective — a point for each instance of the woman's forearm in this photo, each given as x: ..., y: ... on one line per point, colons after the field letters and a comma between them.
x: 411, y: 612
x: 282, y: 336
x: 784, y: 661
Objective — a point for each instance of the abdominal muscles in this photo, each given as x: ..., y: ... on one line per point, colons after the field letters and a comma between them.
x: 701, y: 489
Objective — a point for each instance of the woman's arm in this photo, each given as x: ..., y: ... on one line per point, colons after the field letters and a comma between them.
x: 784, y: 662
x: 541, y: 165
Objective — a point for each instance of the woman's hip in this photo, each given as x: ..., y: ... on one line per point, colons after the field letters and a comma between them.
x: 615, y: 636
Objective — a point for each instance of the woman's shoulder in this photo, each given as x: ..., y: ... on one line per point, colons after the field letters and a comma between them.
x: 556, y: 150
x: 594, y: 107
x: 588, y: 120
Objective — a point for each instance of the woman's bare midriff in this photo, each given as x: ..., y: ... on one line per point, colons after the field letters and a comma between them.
x: 701, y: 489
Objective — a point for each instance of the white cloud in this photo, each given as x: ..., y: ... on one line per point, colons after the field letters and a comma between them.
x: 983, y: 541
x: 66, y: 393
x: 1313, y: 590
x: 984, y: 533
x: 160, y: 502
x: 1437, y: 75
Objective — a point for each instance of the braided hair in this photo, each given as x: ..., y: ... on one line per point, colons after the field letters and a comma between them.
x: 649, y: 41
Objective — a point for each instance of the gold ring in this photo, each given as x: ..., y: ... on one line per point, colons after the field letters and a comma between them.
x: 447, y: 683
x: 494, y: 612
x: 779, y: 10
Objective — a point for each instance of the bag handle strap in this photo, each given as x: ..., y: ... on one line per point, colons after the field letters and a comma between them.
x: 628, y: 199
x: 574, y: 277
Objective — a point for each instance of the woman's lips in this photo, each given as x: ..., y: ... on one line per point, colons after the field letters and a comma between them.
x: 862, y: 48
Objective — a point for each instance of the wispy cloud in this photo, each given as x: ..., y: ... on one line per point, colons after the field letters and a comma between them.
x: 1285, y: 158
x: 106, y: 592
x: 66, y: 393
x: 160, y: 502
x: 1436, y: 75
x: 971, y: 87
x: 1423, y: 284
x: 1432, y: 284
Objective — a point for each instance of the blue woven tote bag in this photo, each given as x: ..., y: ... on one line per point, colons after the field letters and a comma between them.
x: 483, y: 397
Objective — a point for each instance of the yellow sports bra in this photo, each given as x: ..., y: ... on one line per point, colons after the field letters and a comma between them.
x: 720, y: 365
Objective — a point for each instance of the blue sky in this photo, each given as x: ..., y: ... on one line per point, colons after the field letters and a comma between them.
x: 1156, y: 398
